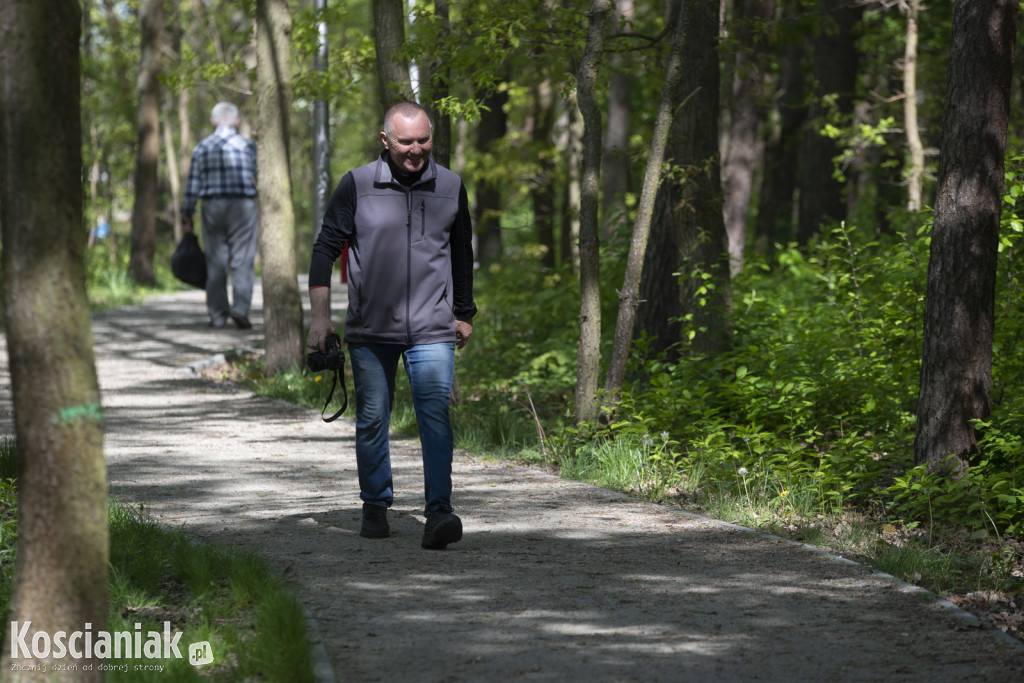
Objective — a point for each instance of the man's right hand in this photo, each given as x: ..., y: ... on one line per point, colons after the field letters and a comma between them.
x: 186, y: 224
x: 321, y: 327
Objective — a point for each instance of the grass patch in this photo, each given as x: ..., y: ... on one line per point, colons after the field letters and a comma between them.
x: 227, y: 597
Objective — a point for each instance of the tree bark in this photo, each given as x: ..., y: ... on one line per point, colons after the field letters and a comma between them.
x: 629, y: 294
x: 822, y: 197
x: 282, y: 303
x: 393, y: 81
x: 60, y: 580
x: 588, y: 365
x: 956, y: 366
x: 143, y: 244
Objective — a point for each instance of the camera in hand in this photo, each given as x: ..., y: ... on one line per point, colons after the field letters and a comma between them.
x: 332, y: 359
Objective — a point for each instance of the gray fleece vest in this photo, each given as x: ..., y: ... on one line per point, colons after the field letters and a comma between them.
x: 400, y: 269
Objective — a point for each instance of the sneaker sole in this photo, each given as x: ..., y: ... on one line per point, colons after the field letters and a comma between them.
x: 448, y: 531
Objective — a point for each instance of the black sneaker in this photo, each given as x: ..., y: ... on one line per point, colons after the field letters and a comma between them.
x: 375, y: 522
x: 442, y: 528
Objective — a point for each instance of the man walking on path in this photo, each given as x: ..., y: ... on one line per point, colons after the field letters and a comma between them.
x: 410, y: 291
x: 223, y: 175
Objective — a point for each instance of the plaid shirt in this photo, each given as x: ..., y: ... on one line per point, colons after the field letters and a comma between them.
x: 224, y: 164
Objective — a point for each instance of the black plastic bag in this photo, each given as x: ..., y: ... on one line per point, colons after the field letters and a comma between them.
x: 188, y: 263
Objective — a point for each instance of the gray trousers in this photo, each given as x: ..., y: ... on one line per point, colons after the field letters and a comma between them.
x: 230, y: 239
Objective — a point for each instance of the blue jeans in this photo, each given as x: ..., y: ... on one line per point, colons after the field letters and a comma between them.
x: 430, y: 368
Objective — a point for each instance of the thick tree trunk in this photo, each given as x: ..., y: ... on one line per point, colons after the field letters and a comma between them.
x: 629, y: 294
x: 588, y: 365
x: 140, y: 264
x: 282, y: 303
x: 822, y: 197
x: 688, y: 231
x: 393, y: 82
x: 60, y: 580
x: 956, y: 367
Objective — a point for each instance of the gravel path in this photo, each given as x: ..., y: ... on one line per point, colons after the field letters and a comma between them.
x: 554, y: 580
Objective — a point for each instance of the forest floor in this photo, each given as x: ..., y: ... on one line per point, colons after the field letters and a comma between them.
x: 554, y: 580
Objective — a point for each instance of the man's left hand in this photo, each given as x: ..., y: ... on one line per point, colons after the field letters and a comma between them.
x: 463, y: 331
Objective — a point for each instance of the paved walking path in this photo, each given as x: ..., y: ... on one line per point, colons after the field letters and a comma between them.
x: 554, y: 581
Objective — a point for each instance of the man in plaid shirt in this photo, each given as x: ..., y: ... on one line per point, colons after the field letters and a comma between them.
x: 223, y: 175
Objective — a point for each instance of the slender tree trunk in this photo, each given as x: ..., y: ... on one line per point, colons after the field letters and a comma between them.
x: 781, y: 158
x: 629, y: 294
x: 822, y: 197
x: 321, y: 130
x: 60, y: 579
x: 570, y: 232
x: 393, y: 82
x: 588, y: 365
x: 959, y: 316
x: 744, y: 127
x: 916, y: 167
x: 173, y: 179
x: 436, y: 84
x: 282, y: 303
x: 140, y: 264
x: 616, y: 139
x: 542, y: 190
x: 491, y: 129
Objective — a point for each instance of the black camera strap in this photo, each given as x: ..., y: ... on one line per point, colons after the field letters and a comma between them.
x: 344, y: 389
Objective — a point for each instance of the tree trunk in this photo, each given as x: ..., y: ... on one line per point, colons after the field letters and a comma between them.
x: 629, y: 294
x: 688, y: 229
x: 588, y: 365
x: 744, y: 127
x: 282, y: 303
x: 140, y: 264
x: 435, y: 83
x: 956, y: 367
x: 916, y: 167
x: 616, y: 159
x: 491, y: 129
x: 393, y: 82
x: 822, y: 198
x: 542, y: 186
x: 781, y: 159
x: 322, y: 184
x: 60, y: 580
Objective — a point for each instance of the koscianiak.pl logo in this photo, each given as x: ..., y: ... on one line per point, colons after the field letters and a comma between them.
x: 140, y: 647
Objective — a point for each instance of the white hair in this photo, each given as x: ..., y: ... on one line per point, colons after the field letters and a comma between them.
x: 224, y: 114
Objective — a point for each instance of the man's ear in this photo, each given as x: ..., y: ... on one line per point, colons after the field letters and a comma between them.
x: 384, y: 139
